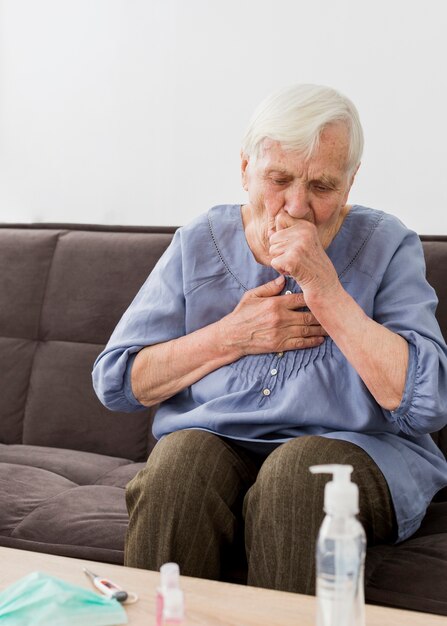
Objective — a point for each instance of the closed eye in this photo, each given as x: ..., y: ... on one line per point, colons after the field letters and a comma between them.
x: 321, y: 188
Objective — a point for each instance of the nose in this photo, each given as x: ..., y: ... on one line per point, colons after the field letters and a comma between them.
x: 296, y: 201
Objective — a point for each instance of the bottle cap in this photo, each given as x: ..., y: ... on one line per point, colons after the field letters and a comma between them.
x: 341, y: 496
x: 170, y: 576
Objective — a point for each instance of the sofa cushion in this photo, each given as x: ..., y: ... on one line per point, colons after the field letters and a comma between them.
x: 16, y: 361
x: 412, y: 574
x: 435, y: 252
x: 72, y: 416
x: 93, y: 278
x: 64, y: 501
x: 25, y: 258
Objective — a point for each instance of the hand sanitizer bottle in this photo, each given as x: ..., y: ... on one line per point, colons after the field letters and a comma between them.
x: 170, y: 601
x: 340, y: 552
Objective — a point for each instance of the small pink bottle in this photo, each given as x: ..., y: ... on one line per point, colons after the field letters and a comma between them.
x: 170, y: 607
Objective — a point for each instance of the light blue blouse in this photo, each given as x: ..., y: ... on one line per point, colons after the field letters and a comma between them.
x: 267, y: 399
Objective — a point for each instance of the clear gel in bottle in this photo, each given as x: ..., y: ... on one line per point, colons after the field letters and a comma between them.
x: 340, y: 552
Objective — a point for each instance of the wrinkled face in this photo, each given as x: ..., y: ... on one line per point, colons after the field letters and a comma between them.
x: 284, y: 187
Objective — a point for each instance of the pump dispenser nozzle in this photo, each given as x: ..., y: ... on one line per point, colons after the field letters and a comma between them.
x: 341, y: 496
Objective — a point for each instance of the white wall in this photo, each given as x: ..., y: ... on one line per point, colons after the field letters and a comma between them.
x: 131, y: 111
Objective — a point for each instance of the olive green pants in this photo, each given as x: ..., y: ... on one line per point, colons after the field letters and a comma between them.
x: 205, y: 503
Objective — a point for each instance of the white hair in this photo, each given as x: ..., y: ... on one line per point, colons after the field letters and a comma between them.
x: 296, y: 116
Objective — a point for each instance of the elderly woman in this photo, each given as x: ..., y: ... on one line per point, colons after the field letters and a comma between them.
x: 293, y: 330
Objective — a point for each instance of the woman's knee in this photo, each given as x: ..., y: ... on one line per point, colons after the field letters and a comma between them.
x: 184, y: 451
x: 175, y: 457
x: 291, y: 461
x: 289, y: 464
x: 285, y: 477
x: 189, y: 464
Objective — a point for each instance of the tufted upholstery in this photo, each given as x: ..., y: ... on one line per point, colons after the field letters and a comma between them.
x: 65, y: 459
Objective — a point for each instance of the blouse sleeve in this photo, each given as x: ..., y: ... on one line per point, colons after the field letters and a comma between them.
x: 406, y: 304
x: 156, y: 315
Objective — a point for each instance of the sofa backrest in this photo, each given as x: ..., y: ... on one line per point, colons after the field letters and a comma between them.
x: 63, y: 287
x: 435, y: 251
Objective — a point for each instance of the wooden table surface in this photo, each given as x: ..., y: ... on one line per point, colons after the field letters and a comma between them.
x: 207, y: 602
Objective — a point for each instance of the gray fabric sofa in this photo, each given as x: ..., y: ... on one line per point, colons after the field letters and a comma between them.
x: 65, y: 459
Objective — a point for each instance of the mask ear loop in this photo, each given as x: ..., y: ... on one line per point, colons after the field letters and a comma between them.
x: 132, y: 597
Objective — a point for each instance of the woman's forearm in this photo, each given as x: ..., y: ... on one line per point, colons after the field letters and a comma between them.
x: 162, y: 370
x: 262, y: 322
x: 379, y: 355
